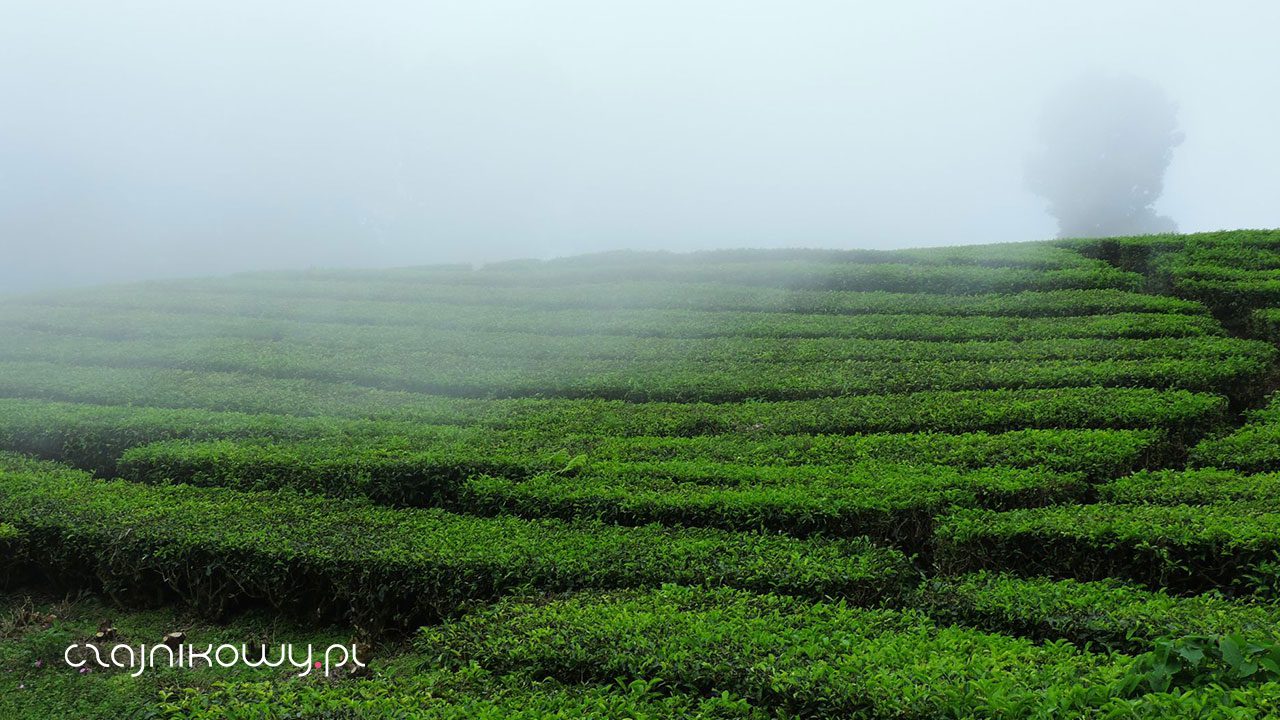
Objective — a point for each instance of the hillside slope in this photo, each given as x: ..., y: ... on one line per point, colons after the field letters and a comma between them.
x: 724, y: 484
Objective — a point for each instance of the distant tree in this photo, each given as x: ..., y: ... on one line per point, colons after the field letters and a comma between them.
x: 1105, y: 143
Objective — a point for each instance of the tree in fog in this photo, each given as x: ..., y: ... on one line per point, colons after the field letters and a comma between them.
x: 1105, y: 143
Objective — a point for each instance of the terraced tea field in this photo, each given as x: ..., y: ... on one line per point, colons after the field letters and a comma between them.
x: 1036, y: 480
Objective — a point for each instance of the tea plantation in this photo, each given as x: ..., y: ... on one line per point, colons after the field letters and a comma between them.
x: 1036, y: 480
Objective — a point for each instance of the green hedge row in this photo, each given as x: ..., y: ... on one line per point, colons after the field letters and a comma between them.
x: 895, y: 503
x: 176, y: 389
x: 1234, y: 273
x: 800, y: 660
x: 1039, y: 256
x: 1042, y: 256
x: 300, y: 296
x: 1096, y: 453
x: 496, y: 354
x: 95, y: 437
x: 12, y: 551
x: 1234, y: 256
x: 330, y: 318
x: 1106, y: 614
x: 1252, y: 447
x: 1232, y: 547
x: 1182, y: 413
x: 1237, y: 298
x: 1191, y: 487
x: 470, y: 694
x: 1187, y: 415
x: 794, y: 275
x: 1265, y: 324
x: 1138, y: 253
x: 397, y: 471
x: 401, y: 471
x: 966, y: 338
x: 880, y: 336
x: 1212, y: 702
x: 219, y: 548
x: 1255, y: 447
x: 689, y: 380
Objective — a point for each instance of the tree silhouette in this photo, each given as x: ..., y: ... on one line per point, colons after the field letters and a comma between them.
x: 1105, y: 143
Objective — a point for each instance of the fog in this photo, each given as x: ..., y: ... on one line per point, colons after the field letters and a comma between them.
x: 1105, y: 145
x: 153, y: 139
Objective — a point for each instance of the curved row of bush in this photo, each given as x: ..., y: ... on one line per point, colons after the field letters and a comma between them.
x: 1095, y: 453
x: 1090, y: 337
x: 172, y: 389
x: 1265, y: 324
x: 1038, y: 256
x: 300, y: 296
x: 798, y: 659
x: 177, y: 340
x: 396, y: 472
x: 388, y: 471
x: 172, y: 400
x: 683, y: 380
x: 219, y: 548
x: 272, y: 322
x: 470, y: 694
x: 1233, y: 547
x: 895, y: 503
x: 1192, y: 487
x: 789, y: 274
x: 1105, y: 614
x: 1254, y: 447
x: 94, y: 435
x: 12, y: 551
x: 825, y: 660
x: 1234, y: 273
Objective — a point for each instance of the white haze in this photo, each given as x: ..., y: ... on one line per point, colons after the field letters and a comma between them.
x: 148, y: 139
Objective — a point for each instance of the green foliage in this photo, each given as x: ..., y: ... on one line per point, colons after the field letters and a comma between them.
x: 1252, y: 448
x: 1102, y: 614
x: 1183, y: 548
x: 938, y: 338
x: 376, y: 298
x: 1255, y: 447
x: 1234, y: 273
x: 465, y: 695
x: 1211, y: 702
x: 1265, y: 324
x: 390, y: 471
x: 790, y: 274
x: 1191, y: 487
x: 1027, y: 316
x: 963, y: 411
x: 421, y: 445
x: 219, y: 548
x: 330, y: 452
x: 801, y: 659
x: 12, y: 551
x: 1225, y: 366
x: 8, y: 533
x: 890, y: 502
x: 1218, y: 660
x: 1095, y: 453
x: 430, y: 470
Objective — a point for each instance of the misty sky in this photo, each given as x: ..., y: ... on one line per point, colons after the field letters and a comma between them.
x: 146, y: 139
